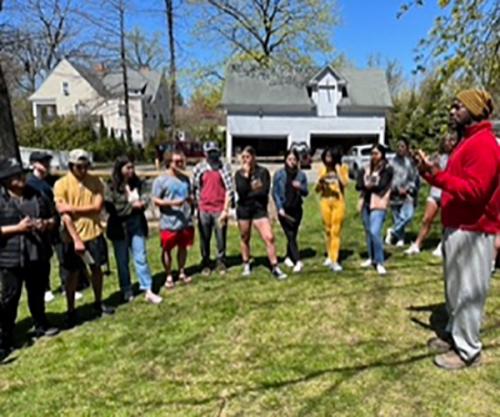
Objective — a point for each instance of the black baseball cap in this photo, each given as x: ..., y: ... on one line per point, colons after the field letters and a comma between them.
x: 38, y: 156
x: 10, y: 167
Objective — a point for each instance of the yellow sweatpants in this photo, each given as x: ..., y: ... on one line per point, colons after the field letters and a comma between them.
x: 333, y: 213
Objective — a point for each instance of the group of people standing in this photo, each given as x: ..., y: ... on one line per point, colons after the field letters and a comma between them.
x: 34, y: 218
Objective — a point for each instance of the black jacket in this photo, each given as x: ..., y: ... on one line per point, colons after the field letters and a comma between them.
x: 246, y: 196
x: 20, y: 249
x: 121, y: 213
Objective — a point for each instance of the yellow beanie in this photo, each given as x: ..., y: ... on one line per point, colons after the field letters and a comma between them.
x: 478, y: 102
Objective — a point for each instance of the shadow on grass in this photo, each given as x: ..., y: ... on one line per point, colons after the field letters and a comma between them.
x: 437, y: 319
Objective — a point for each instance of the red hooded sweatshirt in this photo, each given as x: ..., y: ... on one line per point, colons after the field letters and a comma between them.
x: 471, y: 182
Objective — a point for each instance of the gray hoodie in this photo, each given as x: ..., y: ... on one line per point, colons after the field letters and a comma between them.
x: 405, y: 177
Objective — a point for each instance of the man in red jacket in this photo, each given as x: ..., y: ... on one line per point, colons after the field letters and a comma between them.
x: 471, y: 218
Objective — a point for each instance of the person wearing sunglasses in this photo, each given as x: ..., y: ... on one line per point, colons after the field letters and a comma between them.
x: 172, y: 195
x: 252, y: 186
x: 26, y: 219
x: 79, y: 198
x: 374, y: 184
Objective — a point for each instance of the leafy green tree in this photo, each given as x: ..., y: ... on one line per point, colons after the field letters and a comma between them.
x: 464, y: 42
x: 261, y: 30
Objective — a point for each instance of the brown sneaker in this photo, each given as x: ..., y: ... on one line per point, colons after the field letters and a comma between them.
x: 451, y: 361
x: 438, y: 345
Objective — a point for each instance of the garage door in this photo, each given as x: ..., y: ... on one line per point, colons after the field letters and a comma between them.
x: 265, y: 146
x: 323, y: 141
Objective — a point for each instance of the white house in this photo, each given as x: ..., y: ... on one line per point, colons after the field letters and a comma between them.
x: 74, y: 89
x: 270, y: 111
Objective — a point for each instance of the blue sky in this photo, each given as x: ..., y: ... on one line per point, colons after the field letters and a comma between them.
x: 367, y: 27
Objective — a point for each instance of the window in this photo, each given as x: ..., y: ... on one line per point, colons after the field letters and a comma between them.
x: 121, y: 110
x: 145, y: 115
x: 65, y: 88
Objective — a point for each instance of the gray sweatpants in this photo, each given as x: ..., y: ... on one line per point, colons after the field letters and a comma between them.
x: 208, y: 222
x: 467, y: 272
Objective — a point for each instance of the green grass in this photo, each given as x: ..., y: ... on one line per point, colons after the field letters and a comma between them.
x: 319, y: 344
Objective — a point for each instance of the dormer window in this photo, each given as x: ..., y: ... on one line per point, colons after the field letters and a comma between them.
x: 65, y: 88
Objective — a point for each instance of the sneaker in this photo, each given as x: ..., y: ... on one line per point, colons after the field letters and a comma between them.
x: 438, y: 252
x: 49, y: 296
x: 328, y: 262
x: 366, y: 264
x: 128, y: 296
x: 451, y: 361
x: 298, y: 267
x: 438, y: 345
x: 221, y: 268
x: 289, y: 263
x: 400, y: 243
x: 388, y: 237
x: 381, y: 269
x: 152, y: 298
x: 47, y: 331
x: 278, y: 273
x: 247, y: 271
x: 206, y: 271
x: 103, y: 309
x: 4, y: 353
x: 336, y: 267
x: 412, y: 250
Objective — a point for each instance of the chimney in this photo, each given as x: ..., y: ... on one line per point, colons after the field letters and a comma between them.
x: 101, y: 68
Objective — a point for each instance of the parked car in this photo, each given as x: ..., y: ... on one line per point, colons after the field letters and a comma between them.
x: 191, y: 149
x: 304, y: 153
x: 358, y: 157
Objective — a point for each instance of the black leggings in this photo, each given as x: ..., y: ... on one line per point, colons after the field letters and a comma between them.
x: 291, y: 229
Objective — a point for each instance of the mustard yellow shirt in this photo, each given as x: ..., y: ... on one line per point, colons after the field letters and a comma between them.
x: 70, y: 190
x: 333, y: 183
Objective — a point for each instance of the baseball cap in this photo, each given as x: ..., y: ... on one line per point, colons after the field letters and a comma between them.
x: 78, y: 155
x: 38, y: 156
x: 10, y: 167
x: 210, y: 146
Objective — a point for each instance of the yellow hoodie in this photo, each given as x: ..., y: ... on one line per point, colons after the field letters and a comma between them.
x: 331, y: 184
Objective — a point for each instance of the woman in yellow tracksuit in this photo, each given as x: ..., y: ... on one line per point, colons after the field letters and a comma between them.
x: 332, y: 180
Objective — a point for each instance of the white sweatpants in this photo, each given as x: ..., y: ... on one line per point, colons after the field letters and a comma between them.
x: 467, y: 272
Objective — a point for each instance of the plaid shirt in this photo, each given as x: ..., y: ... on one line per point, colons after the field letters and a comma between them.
x: 226, y: 175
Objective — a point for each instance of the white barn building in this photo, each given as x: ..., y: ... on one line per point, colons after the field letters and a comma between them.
x: 271, y: 112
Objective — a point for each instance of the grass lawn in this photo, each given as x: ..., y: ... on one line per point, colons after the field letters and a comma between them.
x: 319, y: 344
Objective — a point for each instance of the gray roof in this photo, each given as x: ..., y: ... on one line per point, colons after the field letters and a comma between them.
x: 365, y: 88
x: 110, y: 83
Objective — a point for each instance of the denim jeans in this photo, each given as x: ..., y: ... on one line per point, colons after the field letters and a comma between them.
x: 136, y: 243
x: 373, y: 222
x: 403, y: 215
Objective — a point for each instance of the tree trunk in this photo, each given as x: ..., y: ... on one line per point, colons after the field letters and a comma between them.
x: 9, y: 147
x: 172, y: 71
x: 123, y: 62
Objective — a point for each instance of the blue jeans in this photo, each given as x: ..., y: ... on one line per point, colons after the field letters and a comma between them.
x: 373, y: 222
x: 136, y: 242
x: 403, y: 215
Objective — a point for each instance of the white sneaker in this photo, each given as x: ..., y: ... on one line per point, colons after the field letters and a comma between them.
x: 412, y: 250
x: 388, y: 237
x: 298, y: 267
x: 152, y: 298
x: 336, y: 267
x: 366, y: 264
x: 278, y: 273
x: 78, y: 295
x: 381, y: 269
x: 49, y: 296
x: 438, y: 252
x: 328, y: 262
x: 247, y: 271
x: 400, y: 243
x: 289, y: 263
